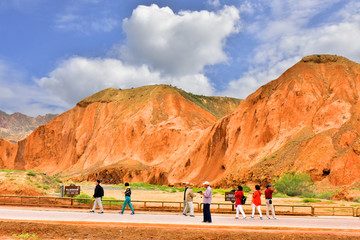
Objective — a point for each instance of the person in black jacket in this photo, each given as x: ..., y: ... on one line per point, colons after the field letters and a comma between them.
x: 98, y: 194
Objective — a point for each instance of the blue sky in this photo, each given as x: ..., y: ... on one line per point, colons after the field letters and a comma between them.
x: 55, y: 53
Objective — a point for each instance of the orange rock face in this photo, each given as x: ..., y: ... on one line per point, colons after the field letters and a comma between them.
x: 138, y: 132
x: 307, y: 120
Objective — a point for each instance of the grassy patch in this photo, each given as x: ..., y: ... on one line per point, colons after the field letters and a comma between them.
x: 9, y: 170
x: 147, y: 186
x: 280, y: 195
x: 25, y: 236
x: 311, y: 200
x: 104, y: 202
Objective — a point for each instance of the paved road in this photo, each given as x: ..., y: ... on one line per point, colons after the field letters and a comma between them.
x: 345, y: 223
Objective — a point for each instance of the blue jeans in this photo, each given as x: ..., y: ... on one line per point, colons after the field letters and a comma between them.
x: 127, y: 201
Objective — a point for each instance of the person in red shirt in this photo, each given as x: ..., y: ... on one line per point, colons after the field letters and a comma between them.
x: 269, y: 202
x: 256, y: 201
x: 239, y: 194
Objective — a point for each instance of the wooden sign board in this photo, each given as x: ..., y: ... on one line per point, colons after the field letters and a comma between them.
x: 72, y: 190
x: 230, y: 196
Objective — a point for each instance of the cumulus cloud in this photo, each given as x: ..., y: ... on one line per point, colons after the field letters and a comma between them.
x: 79, y: 77
x: 162, y: 47
x: 286, y: 34
x: 178, y: 44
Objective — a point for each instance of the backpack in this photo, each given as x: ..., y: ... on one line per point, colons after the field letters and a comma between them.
x: 243, y: 200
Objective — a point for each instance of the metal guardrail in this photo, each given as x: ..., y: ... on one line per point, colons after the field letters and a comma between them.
x: 114, y: 204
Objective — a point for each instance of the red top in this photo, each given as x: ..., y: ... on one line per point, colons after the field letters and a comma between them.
x: 268, y: 193
x: 256, y: 200
x: 239, y: 195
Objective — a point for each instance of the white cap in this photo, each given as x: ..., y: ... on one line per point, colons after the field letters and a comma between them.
x: 206, y: 183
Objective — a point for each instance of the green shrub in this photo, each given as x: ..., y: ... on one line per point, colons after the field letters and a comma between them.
x: 325, y: 195
x: 294, y: 184
x: 31, y: 173
x: 309, y: 194
x: 246, y: 188
x: 83, y: 195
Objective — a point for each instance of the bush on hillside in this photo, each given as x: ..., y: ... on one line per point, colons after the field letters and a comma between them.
x: 294, y: 184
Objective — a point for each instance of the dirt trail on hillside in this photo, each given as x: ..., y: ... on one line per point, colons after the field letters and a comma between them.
x: 59, y: 230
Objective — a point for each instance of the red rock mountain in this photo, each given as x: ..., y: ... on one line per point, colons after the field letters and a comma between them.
x: 307, y: 120
x: 18, y: 126
x: 135, y: 133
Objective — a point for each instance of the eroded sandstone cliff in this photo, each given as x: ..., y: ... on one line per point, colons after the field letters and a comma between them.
x: 307, y: 120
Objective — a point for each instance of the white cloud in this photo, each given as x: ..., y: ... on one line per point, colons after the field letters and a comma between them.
x: 73, y: 22
x: 161, y: 48
x: 178, y: 44
x: 78, y: 77
x: 29, y: 99
x: 287, y: 34
x: 214, y: 3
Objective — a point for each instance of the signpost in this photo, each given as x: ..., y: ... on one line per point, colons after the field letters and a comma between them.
x: 230, y: 196
x: 72, y: 190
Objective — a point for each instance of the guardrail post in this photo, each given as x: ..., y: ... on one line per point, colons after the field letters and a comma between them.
x: 144, y: 205
x: 312, y: 211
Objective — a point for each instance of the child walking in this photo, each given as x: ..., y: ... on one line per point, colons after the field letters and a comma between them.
x: 127, y: 199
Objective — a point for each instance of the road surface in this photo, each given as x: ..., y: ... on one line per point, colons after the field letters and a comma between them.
x: 168, y: 219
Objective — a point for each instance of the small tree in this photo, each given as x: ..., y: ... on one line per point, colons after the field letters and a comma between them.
x: 294, y: 184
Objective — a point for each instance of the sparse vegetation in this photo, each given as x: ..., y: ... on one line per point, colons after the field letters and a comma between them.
x: 25, y: 236
x: 311, y: 200
x: 294, y: 184
x: 31, y: 173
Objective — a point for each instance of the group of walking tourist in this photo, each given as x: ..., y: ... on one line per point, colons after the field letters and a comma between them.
x: 207, y: 198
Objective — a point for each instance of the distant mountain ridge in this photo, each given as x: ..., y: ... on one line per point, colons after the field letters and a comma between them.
x: 17, y: 126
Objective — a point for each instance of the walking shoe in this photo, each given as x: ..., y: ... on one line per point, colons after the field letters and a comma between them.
x: 261, y: 218
x: 244, y: 217
x: 275, y: 218
x: 192, y: 216
x: 184, y: 214
x: 121, y: 213
x: 236, y: 218
x: 252, y: 217
x: 268, y: 217
x: 132, y: 213
x: 92, y: 211
x: 101, y: 212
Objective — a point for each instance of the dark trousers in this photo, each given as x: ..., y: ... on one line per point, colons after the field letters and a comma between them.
x: 207, y: 214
